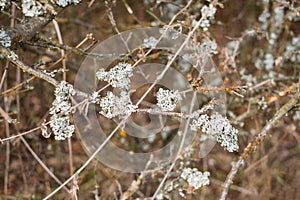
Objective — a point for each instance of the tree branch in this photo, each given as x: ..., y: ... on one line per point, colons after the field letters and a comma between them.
x: 27, y: 29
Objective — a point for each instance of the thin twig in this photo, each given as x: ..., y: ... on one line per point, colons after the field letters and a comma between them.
x: 42, y: 163
x: 6, y: 116
x: 130, y: 11
x: 60, y: 40
x: 21, y: 134
x: 135, y: 185
x: 16, y: 87
x: 48, y: 43
x: 114, y: 24
x: 7, y: 154
x: 3, y: 77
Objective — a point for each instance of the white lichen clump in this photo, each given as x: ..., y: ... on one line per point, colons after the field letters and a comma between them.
x: 3, y: 3
x: 5, y: 40
x: 117, y: 76
x: 263, y: 19
x: 269, y: 61
x: 209, y: 46
x: 291, y: 48
x: 296, y: 116
x: 167, y: 99
x: 220, y: 128
x: 94, y: 97
x: 32, y: 8
x: 113, y: 105
x: 195, y: 178
x: 64, y: 3
x: 60, y: 110
x: 208, y: 13
x: 150, y: 42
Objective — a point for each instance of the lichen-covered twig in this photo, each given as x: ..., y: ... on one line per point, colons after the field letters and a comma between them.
x: 13, y: 58
x: 28, y: 28
x: 252, y: 146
